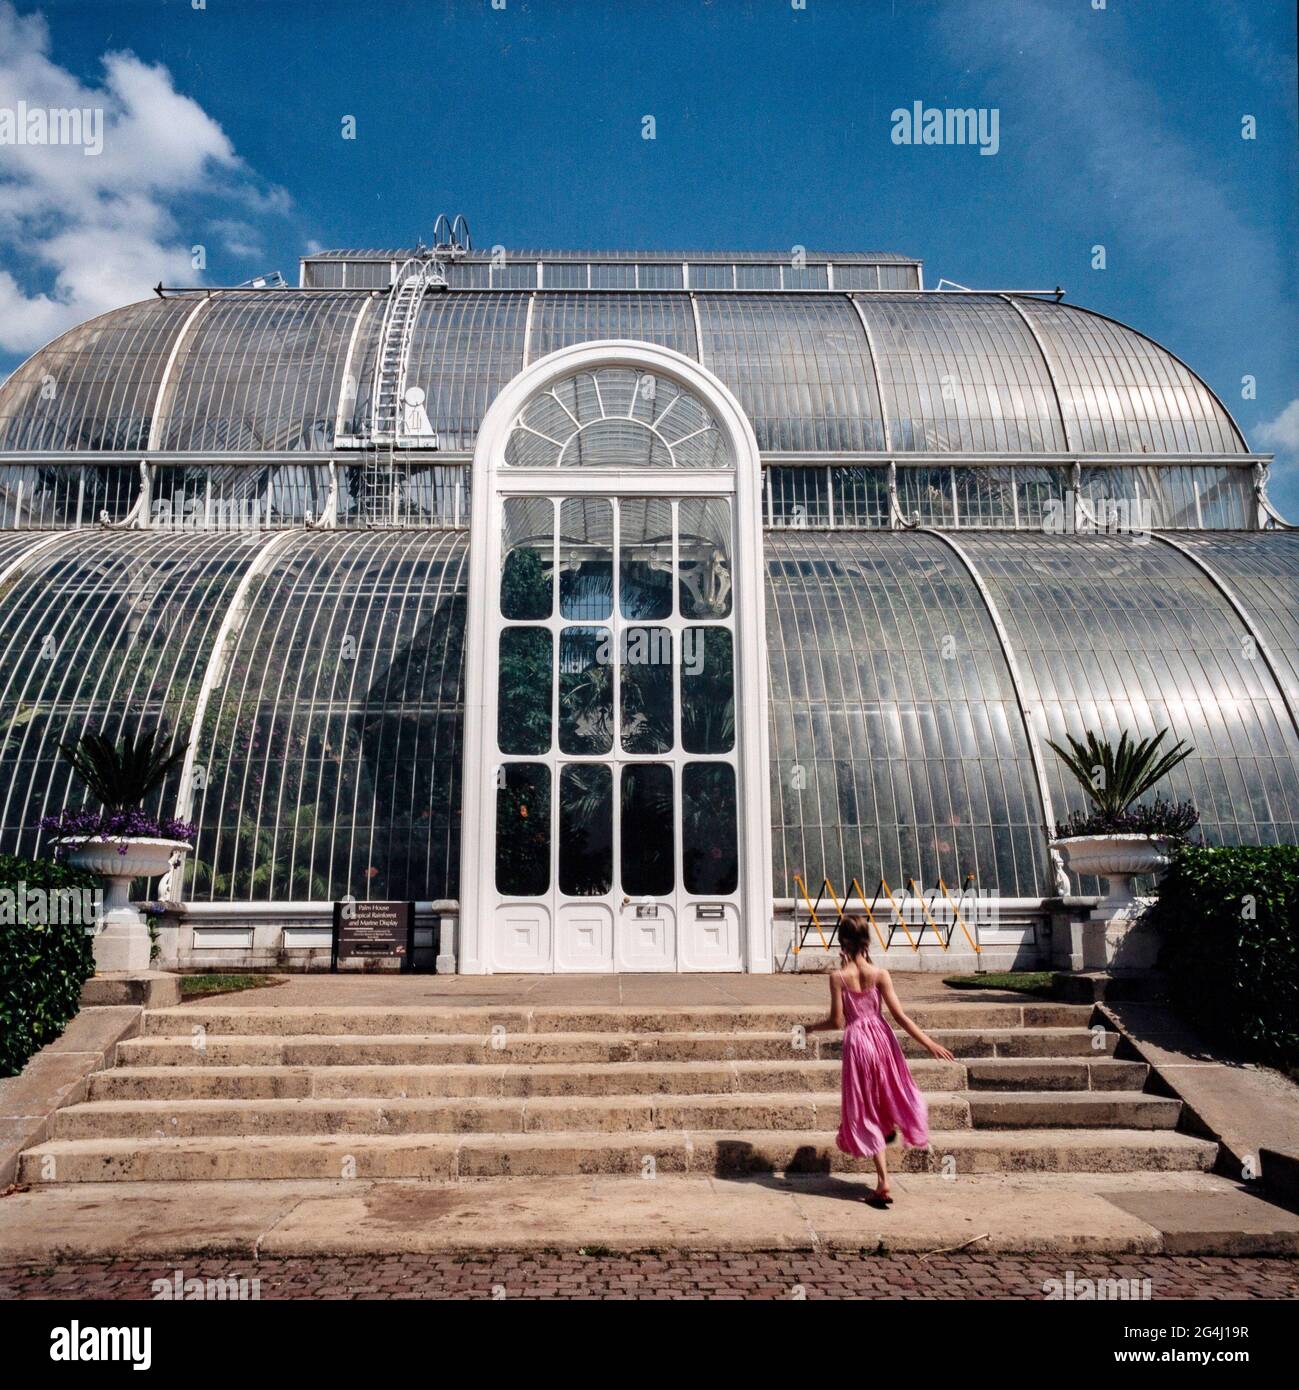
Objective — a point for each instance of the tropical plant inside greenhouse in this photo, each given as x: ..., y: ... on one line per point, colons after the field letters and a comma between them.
x: 1115, y: 776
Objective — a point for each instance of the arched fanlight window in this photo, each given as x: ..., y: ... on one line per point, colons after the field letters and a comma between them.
x: 616, y: 418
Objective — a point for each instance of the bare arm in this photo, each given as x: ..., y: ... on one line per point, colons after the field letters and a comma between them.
x: 895, y: 1008
x: 834, y: 1023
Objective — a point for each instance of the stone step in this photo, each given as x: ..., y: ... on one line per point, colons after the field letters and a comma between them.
x: 454, y: 1157
x: 594, y: 1079
x: 423, y: 1049
x: 277, y: 1021
x: 117, y: 1119
x: 1067, y: 1109
x: 779, y: 1111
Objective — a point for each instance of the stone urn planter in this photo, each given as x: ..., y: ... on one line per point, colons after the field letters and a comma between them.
x: 122, y: 933
x: 1115, y: 937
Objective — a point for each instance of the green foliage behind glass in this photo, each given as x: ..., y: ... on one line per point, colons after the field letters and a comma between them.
x: 42, y: 966
x: 1230, y: 925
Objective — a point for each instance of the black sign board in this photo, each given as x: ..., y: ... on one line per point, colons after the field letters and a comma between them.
x: 373, y: 931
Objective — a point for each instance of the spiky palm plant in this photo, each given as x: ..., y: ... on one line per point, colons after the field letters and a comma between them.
x: 1116, y: 775
x: 122, y: 775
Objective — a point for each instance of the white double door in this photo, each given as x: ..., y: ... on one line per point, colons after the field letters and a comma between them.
x: 618, y: 822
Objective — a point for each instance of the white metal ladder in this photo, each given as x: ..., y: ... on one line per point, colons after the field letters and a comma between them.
x: 382, y: 487
x: 399, y: 316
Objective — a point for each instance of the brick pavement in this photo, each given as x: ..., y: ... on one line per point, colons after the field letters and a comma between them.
x: 758, y: 1275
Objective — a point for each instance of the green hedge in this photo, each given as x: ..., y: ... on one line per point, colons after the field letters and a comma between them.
x: 1230, y: 925
x: 42, y: 965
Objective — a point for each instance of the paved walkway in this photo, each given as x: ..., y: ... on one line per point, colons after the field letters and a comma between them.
x: 1060, y: 1214
x: 716, y: 1276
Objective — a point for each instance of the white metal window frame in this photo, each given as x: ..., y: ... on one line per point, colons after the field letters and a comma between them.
x: 493, y: 480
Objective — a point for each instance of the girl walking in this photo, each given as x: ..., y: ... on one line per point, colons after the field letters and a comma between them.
x: 879, y: 1097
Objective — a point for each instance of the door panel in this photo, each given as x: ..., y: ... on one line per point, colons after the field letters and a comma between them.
x: 647, y: 936
x: 710, y: 936
x: 522, y: 937
x: 584, y: 937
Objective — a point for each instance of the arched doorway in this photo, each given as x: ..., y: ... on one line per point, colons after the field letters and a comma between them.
x: 616, y: 807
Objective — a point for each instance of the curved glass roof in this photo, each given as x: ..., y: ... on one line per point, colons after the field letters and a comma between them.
x: 1261, y: 571
x: 885, y: 759
x: 1114, y: 636
x: 330, y: 739
x: 942, y: 372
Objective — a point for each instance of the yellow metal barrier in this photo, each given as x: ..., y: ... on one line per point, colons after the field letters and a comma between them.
x: 899, y: 916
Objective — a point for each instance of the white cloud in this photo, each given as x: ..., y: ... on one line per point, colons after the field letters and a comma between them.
x: 91, y: 232
x: 1282, y: 433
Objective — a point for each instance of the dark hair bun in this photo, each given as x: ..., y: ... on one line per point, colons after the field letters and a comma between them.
x: 854, y: 937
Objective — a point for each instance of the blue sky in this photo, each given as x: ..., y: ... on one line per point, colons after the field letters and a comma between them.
x: 1119, y: 127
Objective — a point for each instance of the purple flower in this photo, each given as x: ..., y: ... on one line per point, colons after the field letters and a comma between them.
x: 117, y: 825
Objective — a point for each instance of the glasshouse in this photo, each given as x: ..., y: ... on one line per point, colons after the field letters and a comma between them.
x: 617, y: 609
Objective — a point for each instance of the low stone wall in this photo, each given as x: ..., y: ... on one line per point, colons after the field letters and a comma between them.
x: 288, y: 937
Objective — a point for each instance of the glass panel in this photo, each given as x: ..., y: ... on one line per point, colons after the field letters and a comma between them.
x: 586, y: 558
x: 523, y: 830
x: 757, y: 277
x: 261, y: 371
x: 647, y: 690
x: 1262, y: 570
x: 528, y: 542
x: 1117, y: 636
x: 888, y: 758
x: 585, y: 830
x: 565, y: 276
x: 707, y: 690
x: 709, y: 856
x: 560, y: 320
x: 369, y: 275
x: 1040, y: 493
x: 704, y: 558
x: 523, y: 691
x: 613, y: 277
x: 616, y: 443
x: 614, y: 417
x: 856, y: 277
x: 797, y: 496
x: 960, y: 373
x: 332, y: 738
x: 659, y: 277
x: 704, y: 276
x: 1121, y: 392
x: 806, y: 277
x: 899, y: 277
x: 861, y: 496
x: 585, y: 690
x: 800, y: 366
x: 515, y: 277
x: 645, y: 558
x: 926, y: 493
x: 646, y: 830
x: 94, y: 387
x: 464, y: 349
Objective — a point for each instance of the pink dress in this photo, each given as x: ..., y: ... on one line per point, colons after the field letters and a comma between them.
x: 879, y: 1095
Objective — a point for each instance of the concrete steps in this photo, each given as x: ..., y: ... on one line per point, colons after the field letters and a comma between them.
x: 453, y: 1093
x: 163, y: 1119
x: 272, y: 1021
x: 610, y: 1078
x: 450, y: 1157
x: 395, y: 1049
